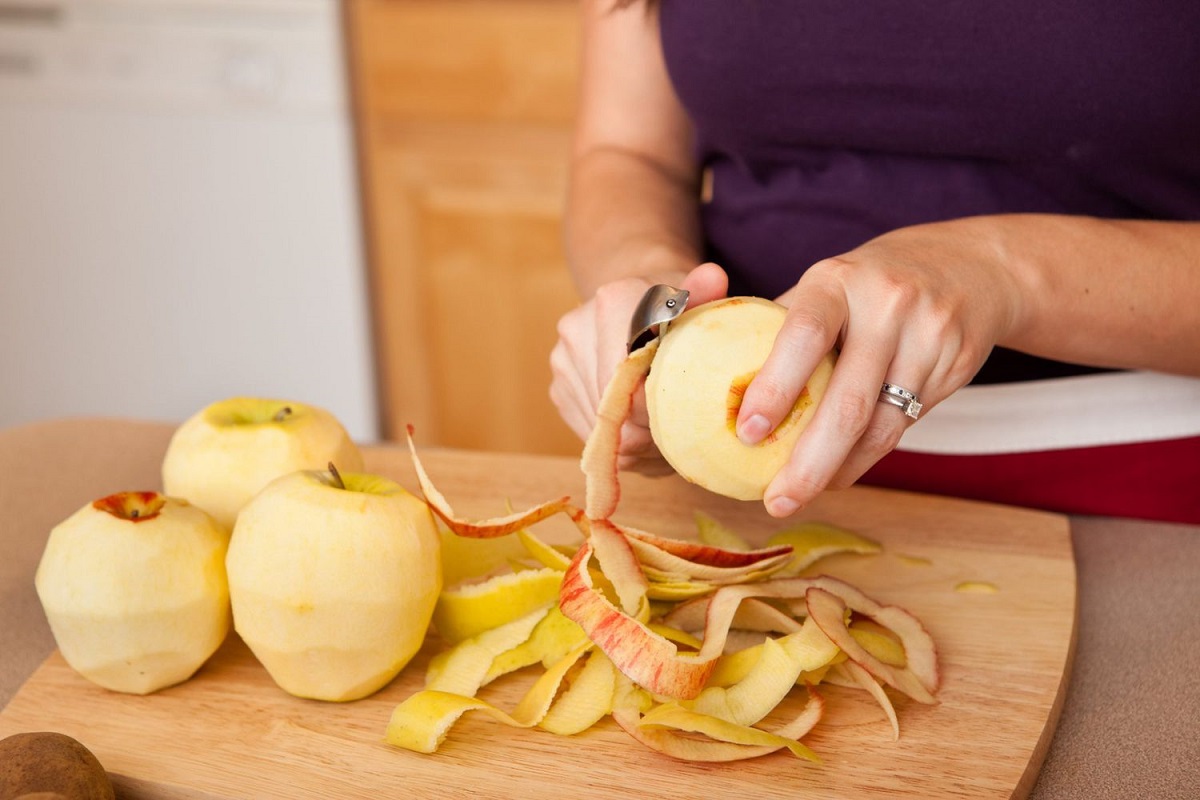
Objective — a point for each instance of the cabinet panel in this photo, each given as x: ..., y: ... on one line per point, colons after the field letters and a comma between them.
x: 495, y: 285
x: 463, y: 113
x: 470, y: 60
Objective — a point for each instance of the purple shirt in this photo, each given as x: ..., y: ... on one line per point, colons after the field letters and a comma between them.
x: 826, y: 123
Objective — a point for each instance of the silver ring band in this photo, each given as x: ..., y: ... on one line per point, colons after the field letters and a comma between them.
x: 901, y: 398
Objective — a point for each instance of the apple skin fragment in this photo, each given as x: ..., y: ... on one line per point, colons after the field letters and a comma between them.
x: 676, y: 717
x: 552, y: 638
x: 882, y: 646
x: 464, y: 668
x: 675, y: 591
x: 479, y: 529
x: 654, y: 557
x: 469, y: 610
x: 767, y: 683
x: 423, y: 720
x: 752, y: 614
x: 648, y: 659
x: 470, y: 559
x: 599, y: 459
x: 863, y: 679
x: 545, y: 554
x: 663, y: 734
x: 828, y: 609
x: 695, y: 554
x: 588, y: 700
x: 812, y: 541
x: 620, y: 565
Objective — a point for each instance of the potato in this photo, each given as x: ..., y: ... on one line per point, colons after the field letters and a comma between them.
x: 45, y: 765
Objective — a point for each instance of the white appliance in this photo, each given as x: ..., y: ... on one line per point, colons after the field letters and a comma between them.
x: 178, y: 210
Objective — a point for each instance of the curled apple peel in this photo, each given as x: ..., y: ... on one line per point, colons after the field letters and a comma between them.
x: 478, y: 529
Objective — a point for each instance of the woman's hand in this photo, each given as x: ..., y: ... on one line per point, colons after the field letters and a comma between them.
x: 919, y: 308
x: 592, y: 342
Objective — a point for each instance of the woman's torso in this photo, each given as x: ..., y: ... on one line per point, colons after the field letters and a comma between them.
x: 823, y: 124
x: 827, y: 123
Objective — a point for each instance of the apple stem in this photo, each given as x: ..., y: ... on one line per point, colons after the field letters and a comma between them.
x: 282, y: 414
x: 337, y: 476
x: 134, y: 513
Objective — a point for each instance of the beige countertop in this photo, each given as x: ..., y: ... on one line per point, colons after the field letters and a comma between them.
x: 1129, y: 724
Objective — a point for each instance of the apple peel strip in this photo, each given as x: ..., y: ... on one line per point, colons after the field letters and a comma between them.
x: 780, y: 662
x: 423, y: 720
x: 469, y: 610
x: 485, y: 528
x: 827, y: 605
x: 464, y: 668
x: 813, y: 541
x: 863, y: 679
x: 664, y: 737
x: 586, y: 701
x: 552, y: 638
x: 600, y: 451
x: 647, y: 658
x: 676, y: 717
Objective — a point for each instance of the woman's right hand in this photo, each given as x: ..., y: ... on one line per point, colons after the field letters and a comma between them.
x: 592, y: 342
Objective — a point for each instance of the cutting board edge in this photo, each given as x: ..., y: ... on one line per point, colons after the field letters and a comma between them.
x: 1037, y: 759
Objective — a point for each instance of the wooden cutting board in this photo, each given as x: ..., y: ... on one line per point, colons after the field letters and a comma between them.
x: 1005, y: 656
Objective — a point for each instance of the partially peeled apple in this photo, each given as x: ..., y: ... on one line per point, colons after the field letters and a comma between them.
x: 694, y: 391
x: 333, y: 580
x: 134, y: 588
x: 224, y: 454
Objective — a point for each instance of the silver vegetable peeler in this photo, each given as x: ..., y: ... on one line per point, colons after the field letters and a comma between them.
x: 658, y: 307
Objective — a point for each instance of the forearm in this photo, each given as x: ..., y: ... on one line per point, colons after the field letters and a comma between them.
x: 1111, y: 293
x: 628, y: 217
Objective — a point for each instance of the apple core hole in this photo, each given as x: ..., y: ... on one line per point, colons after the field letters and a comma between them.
x: 132, y: 506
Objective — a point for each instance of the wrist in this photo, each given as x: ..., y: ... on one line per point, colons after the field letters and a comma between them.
x: 1005, y: 245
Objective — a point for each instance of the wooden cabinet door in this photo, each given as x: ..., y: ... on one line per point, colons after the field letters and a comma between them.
x: 464, y: 111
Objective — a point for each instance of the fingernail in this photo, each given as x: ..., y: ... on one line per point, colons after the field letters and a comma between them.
x: 782, y: 506
x: 753, y: 430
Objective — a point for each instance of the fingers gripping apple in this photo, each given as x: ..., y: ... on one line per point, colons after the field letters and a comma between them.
x: 694, y: 392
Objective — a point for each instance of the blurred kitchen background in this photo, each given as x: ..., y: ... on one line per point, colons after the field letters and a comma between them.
x: 354, y: 204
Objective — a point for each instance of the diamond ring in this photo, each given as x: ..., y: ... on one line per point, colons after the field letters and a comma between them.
x: 901, y: 398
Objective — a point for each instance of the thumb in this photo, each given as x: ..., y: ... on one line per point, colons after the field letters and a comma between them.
x: 705, y: 283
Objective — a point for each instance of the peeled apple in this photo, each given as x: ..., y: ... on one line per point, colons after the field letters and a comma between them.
x: 134, y: 588
x: 694, y: 391
x: 225, y: 453
x: 333, y: 581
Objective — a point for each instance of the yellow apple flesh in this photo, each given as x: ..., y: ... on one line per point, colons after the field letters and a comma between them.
x: 134, y: 588
x: 223, y: 455
x: 694, y: 390
x: 333, y: 588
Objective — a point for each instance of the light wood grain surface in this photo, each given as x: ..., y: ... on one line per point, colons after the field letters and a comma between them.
x: 230, y: 733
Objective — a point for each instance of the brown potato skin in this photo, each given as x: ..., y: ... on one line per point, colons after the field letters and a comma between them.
x: 44, y: 765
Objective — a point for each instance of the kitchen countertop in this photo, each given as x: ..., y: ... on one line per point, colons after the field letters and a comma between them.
x: 1128, y: 725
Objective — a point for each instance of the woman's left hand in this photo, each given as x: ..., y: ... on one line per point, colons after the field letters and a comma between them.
x: 918, y: 307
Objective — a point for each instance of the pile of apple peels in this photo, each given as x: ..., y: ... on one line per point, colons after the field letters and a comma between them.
x: 692, y: 647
